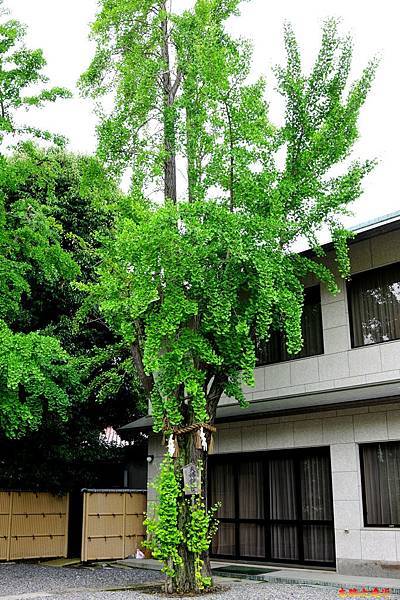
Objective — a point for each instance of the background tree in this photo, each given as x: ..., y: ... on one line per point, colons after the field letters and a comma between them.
x: 21, y: 71
x: 62, y: 380
x: 57, y: 206
x: 35, y: 373
x: 34, y: 369
x: 191, y: 285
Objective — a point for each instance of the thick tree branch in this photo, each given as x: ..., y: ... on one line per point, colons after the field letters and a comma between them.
x: 214, y: 393
x: 231, y: 158
x: 176, y: 84
x: 170, y: 189
x: 147, y: 381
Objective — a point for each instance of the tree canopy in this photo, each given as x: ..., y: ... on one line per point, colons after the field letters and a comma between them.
x: 204, y: 278
x: 21, y: 72
x: 63, y: 379
x: 34, y: 368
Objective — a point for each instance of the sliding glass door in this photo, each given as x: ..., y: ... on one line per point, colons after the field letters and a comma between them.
x: 274, y: 506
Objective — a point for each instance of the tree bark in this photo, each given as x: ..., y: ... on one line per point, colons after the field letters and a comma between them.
x: 169, y: 92
x: 147, y: 381
x: 191, y: 167
x: 231, y: 159
x: 184, y: 580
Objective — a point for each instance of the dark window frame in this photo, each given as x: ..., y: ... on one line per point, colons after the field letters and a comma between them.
x: 349, y: 305
x: 314, y: 290
x: 300, y: 523
x: 363, y: 488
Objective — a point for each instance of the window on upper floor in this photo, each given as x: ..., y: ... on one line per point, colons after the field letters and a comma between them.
x: 274, y: 350
x: 374, y: 306
x: 380, y: 475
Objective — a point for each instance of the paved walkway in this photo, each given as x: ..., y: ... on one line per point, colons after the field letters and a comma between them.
x: 331, y: 579
x: 307, y: 577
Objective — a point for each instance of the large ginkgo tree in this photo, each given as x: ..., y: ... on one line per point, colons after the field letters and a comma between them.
x: 201, y: 264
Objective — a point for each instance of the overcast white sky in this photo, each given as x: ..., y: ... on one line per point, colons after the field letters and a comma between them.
x: 61, y: 29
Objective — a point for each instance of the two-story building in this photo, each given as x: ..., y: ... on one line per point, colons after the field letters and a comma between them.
x: 309, y: 473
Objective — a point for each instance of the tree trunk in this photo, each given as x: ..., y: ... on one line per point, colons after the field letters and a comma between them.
x: 169, y: 92
x: 190, y: 158
x: 184, y: 580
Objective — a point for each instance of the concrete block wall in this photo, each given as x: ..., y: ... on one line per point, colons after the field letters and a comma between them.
x: 359, y: 549
x: 340, y: 366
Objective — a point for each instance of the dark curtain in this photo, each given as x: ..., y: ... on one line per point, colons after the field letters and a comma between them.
x: 252, y: 540
x: 222, y: 490
x: 297, y: 494
x: 282, y: 489
x: 374, y: 303
x: 274, y: 350
x: 316, y: 505
x: 251, y: 490
x: 381, y: 468
x: 224, y: 542
x: 284, y: 542
x: 251, y: 506
x: 316, y: 488
x: 318, y: 543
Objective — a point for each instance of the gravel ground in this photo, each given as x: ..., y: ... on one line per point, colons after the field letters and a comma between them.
x: 245, y: 590
x: 22, y: 578
x: 30, y: 581
x: 249, y: 591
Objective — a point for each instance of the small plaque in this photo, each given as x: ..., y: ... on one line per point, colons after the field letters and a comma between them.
x: 191, y: 480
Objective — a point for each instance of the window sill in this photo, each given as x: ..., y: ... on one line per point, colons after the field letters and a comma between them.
x: 380, y: 528
x: 285, y: 362
x: 375, y: 344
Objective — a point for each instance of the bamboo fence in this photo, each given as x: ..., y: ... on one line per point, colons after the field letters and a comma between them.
x: 33, y: 525
x: 112, y: 523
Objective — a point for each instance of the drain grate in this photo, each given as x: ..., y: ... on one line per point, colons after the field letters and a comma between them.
x: 241, y: 570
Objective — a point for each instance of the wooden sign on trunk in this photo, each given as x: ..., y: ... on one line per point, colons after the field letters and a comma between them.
x: 191, y: 480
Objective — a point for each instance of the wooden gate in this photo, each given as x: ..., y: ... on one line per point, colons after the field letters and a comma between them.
x: 33, y: 525
x: 112, y: 523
